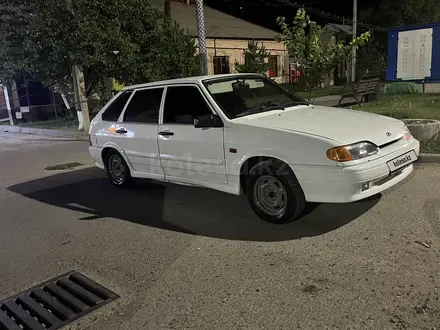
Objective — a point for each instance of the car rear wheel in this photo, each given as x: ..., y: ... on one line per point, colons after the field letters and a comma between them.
x: 274, y: 192
x: 117, y: 169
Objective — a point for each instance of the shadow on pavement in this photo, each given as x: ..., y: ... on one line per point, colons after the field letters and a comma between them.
x: 182, y: 209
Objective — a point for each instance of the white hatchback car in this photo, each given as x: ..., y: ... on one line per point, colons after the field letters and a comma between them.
x: 243, y: 133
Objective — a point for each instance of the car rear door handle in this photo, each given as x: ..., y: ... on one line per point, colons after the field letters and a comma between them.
x: 121, y: 130
x: 166, y: 133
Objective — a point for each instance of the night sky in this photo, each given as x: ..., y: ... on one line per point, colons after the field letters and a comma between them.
x: 265, y: 12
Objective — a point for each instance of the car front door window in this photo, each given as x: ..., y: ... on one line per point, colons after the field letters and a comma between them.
x: 183, y: 104
x: 144, y: 106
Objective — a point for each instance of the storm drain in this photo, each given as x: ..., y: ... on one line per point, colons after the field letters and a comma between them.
x: 54, y: 303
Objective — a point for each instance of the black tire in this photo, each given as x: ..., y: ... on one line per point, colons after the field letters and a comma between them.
x: 290, y: 196
x: 120, y: 178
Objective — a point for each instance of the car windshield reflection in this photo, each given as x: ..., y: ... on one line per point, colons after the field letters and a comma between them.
x: 247, y: 95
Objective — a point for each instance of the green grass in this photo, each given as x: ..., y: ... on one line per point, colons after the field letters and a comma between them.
x: 407, y: 106
x: 60, y: 167
x: 333, y: 90
x: 66, y: 124
x: 431, y: 146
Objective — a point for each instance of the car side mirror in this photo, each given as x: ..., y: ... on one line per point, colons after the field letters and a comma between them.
x: 206, y: 121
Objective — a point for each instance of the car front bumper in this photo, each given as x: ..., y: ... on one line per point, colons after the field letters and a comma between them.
x: 344, y: 184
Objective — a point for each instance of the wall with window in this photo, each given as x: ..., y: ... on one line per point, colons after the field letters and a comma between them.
x: 222, y: 54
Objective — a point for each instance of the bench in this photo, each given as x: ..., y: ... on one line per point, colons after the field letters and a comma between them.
x: 362, y: 88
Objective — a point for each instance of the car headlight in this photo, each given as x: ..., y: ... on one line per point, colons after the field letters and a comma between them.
x: 352, y: 152
x: 406, y: 134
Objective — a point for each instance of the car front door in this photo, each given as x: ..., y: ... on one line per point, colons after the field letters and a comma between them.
x: 136, y: 132
x: 189, y: 154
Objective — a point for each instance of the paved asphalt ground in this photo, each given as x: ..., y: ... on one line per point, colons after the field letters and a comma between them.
x: 190, y: 258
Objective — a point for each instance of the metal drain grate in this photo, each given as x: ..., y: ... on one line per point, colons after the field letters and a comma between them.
x: 53, y: 304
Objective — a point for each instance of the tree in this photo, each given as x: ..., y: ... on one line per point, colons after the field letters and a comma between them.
x: 14, y: 20
x: 125, y: 39
x: 255, y: 59
x: 371, y: 59
x: 403, y: 12
x: 308, y: 47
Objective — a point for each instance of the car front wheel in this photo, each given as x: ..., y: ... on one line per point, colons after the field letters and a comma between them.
x: 274, y: 193
x: 117, y: 169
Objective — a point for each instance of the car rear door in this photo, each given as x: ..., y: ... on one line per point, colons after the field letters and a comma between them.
x: 103, y: 130
x: 190, y: 154
x: 136, y: 132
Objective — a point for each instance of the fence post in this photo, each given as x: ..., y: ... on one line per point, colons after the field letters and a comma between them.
x: 54, y: 103
x: 8, y: 104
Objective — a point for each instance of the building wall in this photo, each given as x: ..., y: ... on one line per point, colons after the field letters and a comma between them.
x: 233, y: 50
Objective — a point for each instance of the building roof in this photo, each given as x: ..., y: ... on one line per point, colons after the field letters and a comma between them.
x: 327, y: 36
x: 217, y: 24
x: 192, y: 80
x: 338, y: 28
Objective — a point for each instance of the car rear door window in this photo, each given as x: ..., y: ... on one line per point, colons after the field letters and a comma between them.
x: 114, y: 110
x: 144, y: 106
x: 183, y: 104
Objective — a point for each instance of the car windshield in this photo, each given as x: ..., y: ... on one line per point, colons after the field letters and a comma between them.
x: 241, y: 96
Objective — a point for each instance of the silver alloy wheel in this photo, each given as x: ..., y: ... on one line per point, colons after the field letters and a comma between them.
x: 116, y: 168
x: 270, y: 195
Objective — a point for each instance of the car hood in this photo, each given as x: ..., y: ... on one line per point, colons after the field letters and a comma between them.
x: 341, y: 125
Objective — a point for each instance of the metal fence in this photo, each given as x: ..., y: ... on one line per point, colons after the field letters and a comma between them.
x: 34, y: 112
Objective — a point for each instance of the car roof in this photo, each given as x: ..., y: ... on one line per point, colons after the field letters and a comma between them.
x: 193, y: 80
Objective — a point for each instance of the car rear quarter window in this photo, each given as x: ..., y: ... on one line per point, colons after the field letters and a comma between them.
x: 144, y: 106
x: 114, y: 110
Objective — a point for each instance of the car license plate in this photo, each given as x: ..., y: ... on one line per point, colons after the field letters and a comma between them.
x: 402, y: 161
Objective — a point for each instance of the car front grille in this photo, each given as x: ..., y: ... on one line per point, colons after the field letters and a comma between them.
x: 391, y: 176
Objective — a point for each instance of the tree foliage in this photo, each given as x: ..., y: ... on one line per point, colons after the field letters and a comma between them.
x: 402, y: 12
x: 371, y: 59
x: 125, y: 39
x: 255, y: 59
x: 316, y: 55
x: 14, y: 32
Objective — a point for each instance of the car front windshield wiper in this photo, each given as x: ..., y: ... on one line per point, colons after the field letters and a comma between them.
x: 293, y: 103
x: 262, y: 107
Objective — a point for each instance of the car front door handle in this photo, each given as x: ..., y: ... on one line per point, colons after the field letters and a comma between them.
x: 166, y: 133
x: 121, y: 130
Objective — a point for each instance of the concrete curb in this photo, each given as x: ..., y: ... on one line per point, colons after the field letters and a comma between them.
x: 77, y: 135
x: 429, y: 158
